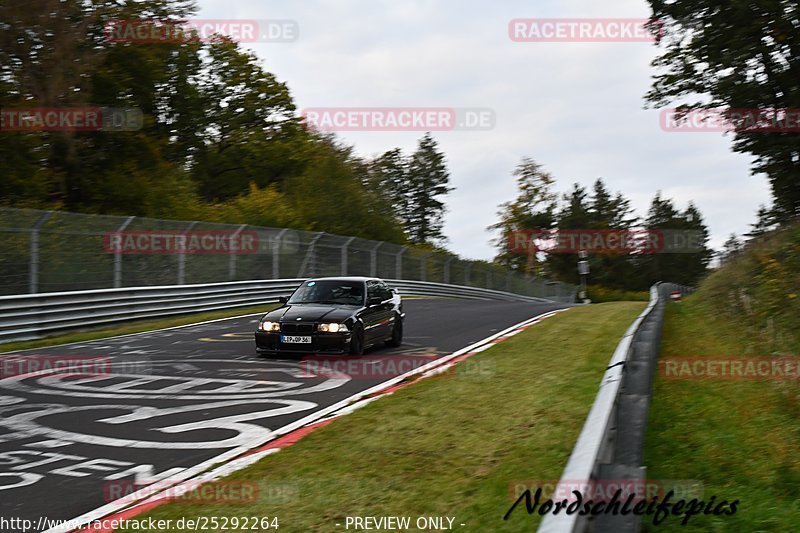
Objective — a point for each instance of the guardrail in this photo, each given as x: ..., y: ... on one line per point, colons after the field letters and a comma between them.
x: 611, y: 442
x: 32, y: 316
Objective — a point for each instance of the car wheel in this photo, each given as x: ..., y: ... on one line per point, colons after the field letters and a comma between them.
x: 357, y: 342
x: 397, y: 334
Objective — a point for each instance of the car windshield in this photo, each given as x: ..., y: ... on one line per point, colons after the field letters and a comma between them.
x: 329, y: 292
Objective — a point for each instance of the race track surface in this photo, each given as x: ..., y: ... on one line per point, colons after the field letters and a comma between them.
x: 149, y: 406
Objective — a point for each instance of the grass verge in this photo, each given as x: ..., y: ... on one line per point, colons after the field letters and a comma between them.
x: 133, y: 327
x: 740, y: 439
x: 451, y: 445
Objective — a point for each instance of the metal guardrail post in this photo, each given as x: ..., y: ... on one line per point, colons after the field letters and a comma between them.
x: 118, y: 255
x: 344, y: 255
x: 33, y: 266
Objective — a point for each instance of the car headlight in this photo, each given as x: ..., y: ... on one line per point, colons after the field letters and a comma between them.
x: 333, y: 327
x: 269, y: 326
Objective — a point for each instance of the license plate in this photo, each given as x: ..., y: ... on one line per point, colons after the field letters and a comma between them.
x: 294, y: 339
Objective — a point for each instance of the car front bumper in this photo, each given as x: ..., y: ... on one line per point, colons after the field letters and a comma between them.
x: 328, y: 343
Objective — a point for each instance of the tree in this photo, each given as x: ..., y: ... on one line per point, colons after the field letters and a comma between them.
x: 607, y: 212
x: 219, y: 138
x: 765, y: 222
x: 248, y: 131
x: 533, y: 209
x: 428, y: 179
x: 390, y: 173
x: 329, y: 196
x: 574, y: 215
x: 730, y: 249
x: 737, y: 55
x: 688, y: 265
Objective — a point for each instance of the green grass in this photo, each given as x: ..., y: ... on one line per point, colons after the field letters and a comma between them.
x: 741, y: 439
x: 451, y: 445
x: 759, y: 290
x: 133, y: 327
x: 600, y: 294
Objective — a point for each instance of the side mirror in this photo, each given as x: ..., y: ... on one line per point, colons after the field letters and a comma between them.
x: 283, y: 299
x: 375, y: 300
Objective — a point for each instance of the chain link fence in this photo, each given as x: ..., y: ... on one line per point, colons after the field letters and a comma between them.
x: 51, y: 251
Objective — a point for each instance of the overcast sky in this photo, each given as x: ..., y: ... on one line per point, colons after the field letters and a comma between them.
x: 577, y: 108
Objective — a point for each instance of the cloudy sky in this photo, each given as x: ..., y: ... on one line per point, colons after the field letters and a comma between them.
x: 577, y: 108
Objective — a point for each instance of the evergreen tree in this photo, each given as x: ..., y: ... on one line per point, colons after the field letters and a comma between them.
x: 390, y: 173
x: 428, y: 180
x: 574, y: 215
x: 609, y: 212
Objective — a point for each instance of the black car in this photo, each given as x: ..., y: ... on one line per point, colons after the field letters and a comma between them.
x: 333, y: 316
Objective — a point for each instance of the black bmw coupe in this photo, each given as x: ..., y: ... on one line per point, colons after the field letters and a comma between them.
x: 333, y: 316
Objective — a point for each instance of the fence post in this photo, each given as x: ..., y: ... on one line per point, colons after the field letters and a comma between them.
x: 118, y: 255
x: 232, y: 258
x: 344, y: 255
x: 182, y: 256
x: 276, y: 248
x: 423, y: 267
x: 373, y: 260
x: 447, y: 269
x: 310, y: 257
x: 398, y: 264
x: 33, y: 267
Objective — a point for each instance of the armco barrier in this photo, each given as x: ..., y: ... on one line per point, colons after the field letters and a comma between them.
x: 610, y: 444
x: 32, y: 316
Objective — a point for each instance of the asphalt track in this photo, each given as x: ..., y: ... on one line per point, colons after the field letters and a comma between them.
x: 147, y: 407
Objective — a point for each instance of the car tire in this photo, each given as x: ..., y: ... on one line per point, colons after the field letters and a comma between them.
x: 357, y: 342
x: 397, y: 334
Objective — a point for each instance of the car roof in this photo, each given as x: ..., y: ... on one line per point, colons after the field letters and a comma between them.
x: 345, y: 278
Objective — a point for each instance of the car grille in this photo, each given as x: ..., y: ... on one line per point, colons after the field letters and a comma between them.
x: 297, y: 329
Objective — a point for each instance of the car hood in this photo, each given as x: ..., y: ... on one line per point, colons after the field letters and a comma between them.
x: 310, y: 313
